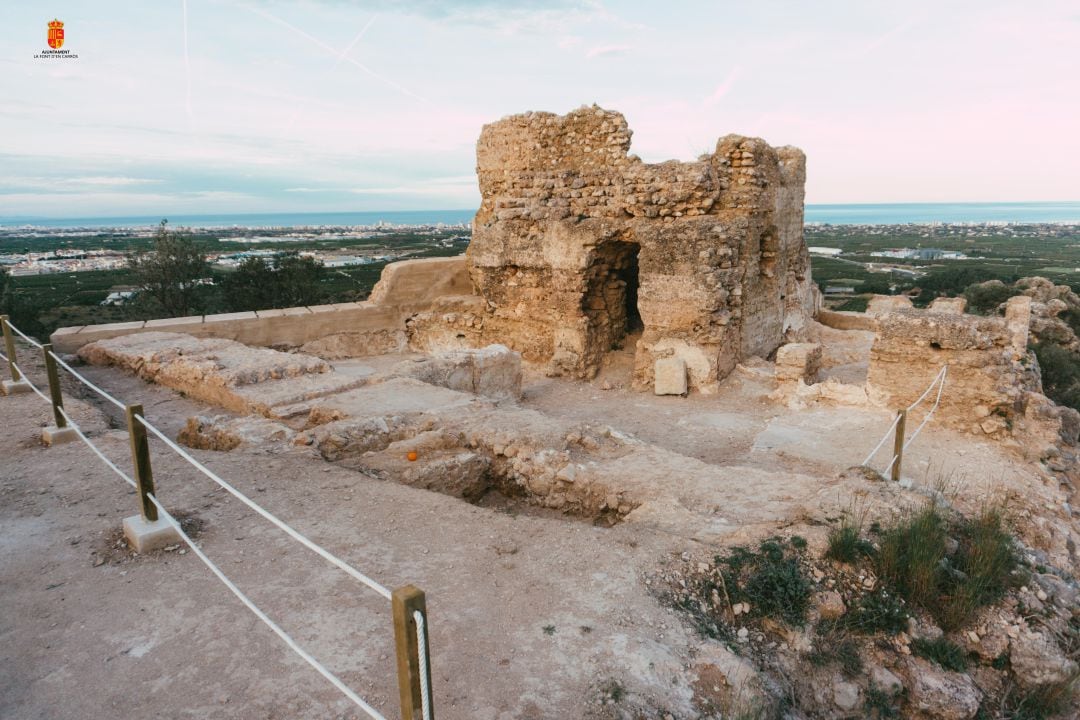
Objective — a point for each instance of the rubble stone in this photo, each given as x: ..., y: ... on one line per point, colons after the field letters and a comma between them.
x: 1037, y: 660
x: 942, y: 695
x: 798, y: 361
x: 670, y: 376
x: 949, y: 305
x: 494, y: 371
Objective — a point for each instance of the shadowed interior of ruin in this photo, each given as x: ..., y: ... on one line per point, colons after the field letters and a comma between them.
x: 610, y: 301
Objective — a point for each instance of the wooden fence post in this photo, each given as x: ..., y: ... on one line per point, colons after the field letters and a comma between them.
x: 898, y: 445
x: 140, y: 457
x: 9, y: 348
x: 54, y: 386
x: 414, y: 670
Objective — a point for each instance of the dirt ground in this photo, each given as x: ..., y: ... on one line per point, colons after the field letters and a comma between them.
x: 533, y: 615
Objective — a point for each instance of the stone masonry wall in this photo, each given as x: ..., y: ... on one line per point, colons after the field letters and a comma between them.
x: 993, y: 385
x: 571, y: 225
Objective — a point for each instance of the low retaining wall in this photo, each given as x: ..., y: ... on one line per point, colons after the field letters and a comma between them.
x: 333, y: 331
x: 842, y: 320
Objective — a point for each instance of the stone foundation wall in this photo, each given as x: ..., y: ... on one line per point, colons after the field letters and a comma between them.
x: 722, y: 270
x: 992, y: 376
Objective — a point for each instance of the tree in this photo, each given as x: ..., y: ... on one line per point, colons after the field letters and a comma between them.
x: 21, y: 311
x: 250, y: 286
x: 289, y: 281
x: 297, y: 280
x: 877, y: 285
x: 951, y: 281
x: 984, y: 298
x: 169, y: 273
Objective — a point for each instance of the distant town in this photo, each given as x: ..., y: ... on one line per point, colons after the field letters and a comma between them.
x: 72, y: 249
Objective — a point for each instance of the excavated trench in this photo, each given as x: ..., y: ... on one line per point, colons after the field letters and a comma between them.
x: 508, y: 472
x: 480, y: 473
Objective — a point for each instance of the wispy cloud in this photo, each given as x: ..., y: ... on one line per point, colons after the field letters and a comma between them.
x: 344, y: 53
x: 724, y: 87
x: 73, y: 184
x: 289, y: 26
x: 607, y: 51
x: 887, y: 36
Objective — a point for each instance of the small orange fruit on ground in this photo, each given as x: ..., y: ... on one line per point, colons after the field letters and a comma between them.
x: 411, y: 456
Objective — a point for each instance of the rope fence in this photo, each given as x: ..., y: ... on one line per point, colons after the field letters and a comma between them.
x: 408, y: 603
x: 899, y: 425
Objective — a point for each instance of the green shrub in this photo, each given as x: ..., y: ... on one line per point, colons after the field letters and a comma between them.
x: 880, y: 704
x: 910, y: 555
x: 877, y: 611
x: 1060, y: 370
x: 772, y: 580
x: 940, y: 650
x: 1043, y: 702
x: 913, y: 560
x: 833, y: 648
x: 846, y: 544
x: 984, y: 562
x: 984, y: 298
x: 855, y: 304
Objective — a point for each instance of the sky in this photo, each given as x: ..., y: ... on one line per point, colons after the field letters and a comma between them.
x: 222, y: 106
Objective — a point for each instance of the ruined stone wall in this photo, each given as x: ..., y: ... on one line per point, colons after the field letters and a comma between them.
x: 571, y: 225
x: 336, y: 331
x: 993, y: 384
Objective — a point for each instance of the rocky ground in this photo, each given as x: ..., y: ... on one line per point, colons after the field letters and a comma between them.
x: 542, y: 605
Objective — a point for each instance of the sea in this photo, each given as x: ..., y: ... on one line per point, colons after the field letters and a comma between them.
x: 831, y: 214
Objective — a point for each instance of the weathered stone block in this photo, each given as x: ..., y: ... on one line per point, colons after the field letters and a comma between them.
x: 881, y: 304
x: 58, y: 436
x: 670, y: 376
x: 949, y: 306
x: 494, y: 371
x: 798, y: 361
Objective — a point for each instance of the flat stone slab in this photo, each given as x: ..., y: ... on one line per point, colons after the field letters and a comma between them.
x: 397, y: 396
x: 58, y: 436
x: 148, y: 536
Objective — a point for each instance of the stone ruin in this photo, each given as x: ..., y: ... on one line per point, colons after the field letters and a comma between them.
x: 579, y: 246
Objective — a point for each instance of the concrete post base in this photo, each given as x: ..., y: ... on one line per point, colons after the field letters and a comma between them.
x: 147, y: 536
x: 58, y: 436
x: 15, y: 387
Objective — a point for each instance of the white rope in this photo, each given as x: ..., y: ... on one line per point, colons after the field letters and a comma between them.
x: 112, y: 466
x: 24, y: 336
x: 334, y: 680
x: 333, y: 560
x: 87, y: 383
x: 883, y: 439
x: 926, y: 392
x: 5, y: 357
x: 32, y: 386
x: 422, y: 648
x: 937, y: 401
x: 938, y: 380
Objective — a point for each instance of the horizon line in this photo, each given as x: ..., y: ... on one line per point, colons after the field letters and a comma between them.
x: 24, y: 219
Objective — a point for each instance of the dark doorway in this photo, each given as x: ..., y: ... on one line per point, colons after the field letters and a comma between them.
x: 610, y: 301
